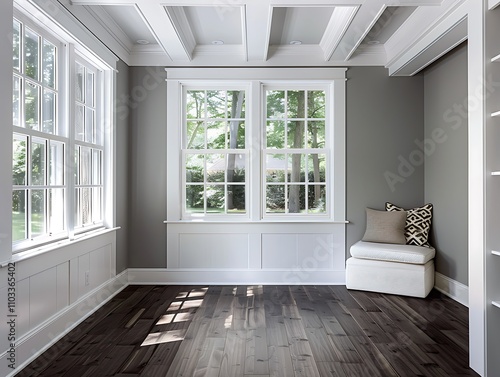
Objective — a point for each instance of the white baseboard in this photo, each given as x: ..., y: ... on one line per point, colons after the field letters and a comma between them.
x: 41, y: 338
x: 452, y: 288
x: 222, y: 277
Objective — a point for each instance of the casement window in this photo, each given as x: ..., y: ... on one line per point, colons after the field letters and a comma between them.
x: 59, y: 151
x: 259, y: 149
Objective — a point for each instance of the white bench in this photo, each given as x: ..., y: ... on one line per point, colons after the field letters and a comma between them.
x: 390, y: 268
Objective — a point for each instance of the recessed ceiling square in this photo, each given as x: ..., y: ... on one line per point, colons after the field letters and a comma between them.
x: 130, y: 21
x: 220, y: 23
x: 304, y: 24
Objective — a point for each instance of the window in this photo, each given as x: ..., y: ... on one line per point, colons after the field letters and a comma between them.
x: 89, y: 149
x: 214, y: 152
x: 258, y: 148
x: 296, y: 151
x: 54, y: 193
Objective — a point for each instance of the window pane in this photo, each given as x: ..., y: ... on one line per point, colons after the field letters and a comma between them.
x: 275, y: 134
x: 275, y: 167
x: 83, y: 206
x: 37, y: 212
x: 295, y: 134
x: 16, y: 44
x: 85, y: 166
x: 296, y: 198
x: 216, y: 104
x: 19, y: 160
x: 275, y: 104
x: 216, y: 135
x: 38, y: 162
x: 89, y: 125
x: 96, y: 167
x: 31, y: 52
x: 296, y: 104
x: 236, y: 199
x: 31, y: 105
x: 195, y: 104
x: 79, y: 83
x: 77, y: 166
x: 56, y: 210
x: 236, y: 104
x: 317, y: 199
x: 216, y: 167
x: 96, y: 205
x: 89, y: 89
x: 16, y: 102
x: 316, y: 104
x: 275, y: 199
x: 236, y: 167
x: 215, y: 199
x: 316, y: 168
x: 194, y: 199
x: 316, y: 134
x: 79, y: 122
x: 236, y: 134
x: 49, y: 64
x: 56, y: 164
x: 195, y: 135
x: 19, y: 215
x: 194, y: 167
x: 49, y: 111
x: 297, y: 170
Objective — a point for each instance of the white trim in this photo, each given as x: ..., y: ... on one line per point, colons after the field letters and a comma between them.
x: 234, y: 276
x: 63, y: 322
x: 452, y: 288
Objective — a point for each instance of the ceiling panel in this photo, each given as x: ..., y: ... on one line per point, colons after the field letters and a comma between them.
x: 210, y: 24
x: 130, y: 21
x: 387, y: 24
x: 306, y: 25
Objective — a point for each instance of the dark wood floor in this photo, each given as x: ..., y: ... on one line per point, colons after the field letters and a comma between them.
x: 263, y: 331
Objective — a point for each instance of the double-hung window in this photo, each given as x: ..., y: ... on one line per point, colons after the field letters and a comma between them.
x: 59, y: 148
x: 215, y: 159
x: 296, y: 150
x: 258, y: 148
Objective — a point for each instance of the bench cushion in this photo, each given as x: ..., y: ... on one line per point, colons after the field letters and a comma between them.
x: 392, y: 253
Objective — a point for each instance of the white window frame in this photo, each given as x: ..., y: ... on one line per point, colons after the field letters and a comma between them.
x: 256, y: 79
x: 328, y: 150
x: 185, y: 152
x: 69, y: 48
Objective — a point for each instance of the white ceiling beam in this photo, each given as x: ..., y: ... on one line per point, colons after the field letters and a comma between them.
x: 361, y: 24
x: 258, y: 24
x: 162, y: 27
x: 337, y: 26
x: 179, y: 19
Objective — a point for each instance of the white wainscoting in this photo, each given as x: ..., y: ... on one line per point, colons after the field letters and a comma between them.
x: 54, y: 292
x: 249, y: 253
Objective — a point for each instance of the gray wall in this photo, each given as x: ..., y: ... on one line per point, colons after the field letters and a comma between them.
x: 384, y: 118
x: 122, y: 164
x: 445, y: 88
x: 147, y: 181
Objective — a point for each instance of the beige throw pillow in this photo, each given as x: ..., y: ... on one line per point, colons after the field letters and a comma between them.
x: 385, y: 227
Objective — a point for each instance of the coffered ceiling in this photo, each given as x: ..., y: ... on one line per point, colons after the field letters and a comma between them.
x: 265, y: 32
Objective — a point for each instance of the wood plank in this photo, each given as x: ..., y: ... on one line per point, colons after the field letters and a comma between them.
x: 233, y: 357
x: 256, y: 356
x: 210, y: 359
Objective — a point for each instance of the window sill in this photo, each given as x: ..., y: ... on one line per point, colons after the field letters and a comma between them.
x: 36, y: 251
x: 266, y: 221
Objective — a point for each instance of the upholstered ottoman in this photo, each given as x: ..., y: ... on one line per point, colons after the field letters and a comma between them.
x: 391, y: 268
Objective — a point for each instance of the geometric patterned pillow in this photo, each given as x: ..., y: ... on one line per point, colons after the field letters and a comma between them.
x: 418, y: 223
